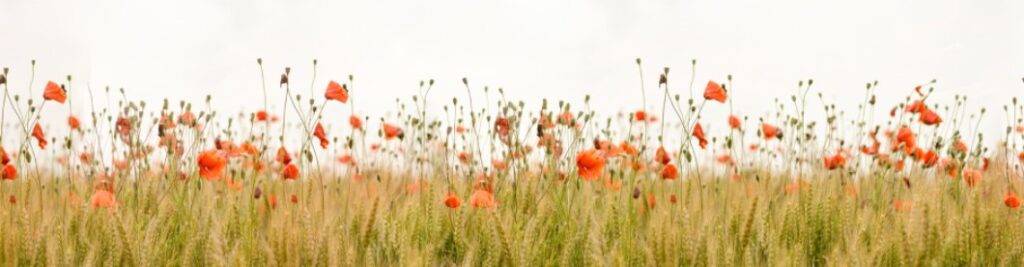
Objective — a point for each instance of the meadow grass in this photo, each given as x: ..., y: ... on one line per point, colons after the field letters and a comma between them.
x: 191, y: 190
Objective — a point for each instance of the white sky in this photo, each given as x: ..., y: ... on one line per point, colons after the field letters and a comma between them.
x: 184, y: 50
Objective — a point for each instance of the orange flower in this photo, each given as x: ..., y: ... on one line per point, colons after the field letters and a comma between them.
x: 715, y: 92
x: 916, y: 107
x: 482, y: 199
x: 391, y: 131
x: 651, y: 201
x: 13, y: 200
x: 283, y: 157
x: 590, y: 164
x: 337, y: 91
x: 498, y: 164
x: 565, y: 118
x: 355, y: 122
x: 770, y: 131
x: 960, y: 146
x: 10, y: 172
x: 290, y: 172
x: 4, y: 158
x: 501, y: 126
x: 907, y: 138
x: 319, y: 133
x: 54, y: 92
x: 188, y: 119
x: 103, y: 199
x: 262, y: 115
x: 37, y: 132
x: 724, y: 159
x: 835, y: 161
x: 734, y: 122
x: 452, y: 201
x: 929, y: 117
x: 640, y: 115
x: 669, y: 172
x: 628, y: 148
x: 465, y: 157
x: 415, y: 186
x: 73, y: 122
x: 661, y: 156
x: 211, y: 164
x: 1011, y: 200
x: 295, y: 199
x: 929, y: 158
x: 698, y: 132
x: 972, y: 176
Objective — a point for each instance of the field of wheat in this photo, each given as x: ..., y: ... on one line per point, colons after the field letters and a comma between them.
x: 493, y: 182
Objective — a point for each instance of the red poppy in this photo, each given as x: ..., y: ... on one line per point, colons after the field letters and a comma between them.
x: 835, y: 161
x: 929, y: 117
x: 73, y: 122
x: 916, y: 107
x: 452, y: 201
x: 290, y: 172
x: 10, y: 172
x: 283, y: 157
x: 54, y: 92
x: 734, y: 122
x: 103, y: 199
x: 669, y: 172
x: 972, y: 176
x: 501, y: 126
x: 698, y: 132
x: 13, y: 200
x: 929, y: 158
x: 465, y: 157
x: 391, y: 131
x: 907, y: 138
x: 714, y: 91
x: 262, y: 115
x: 295, y: 199
x: 483, y: 199
x: 355, y: 122
x: 1011, y: 200
x: 565, y: 118
x: 590, y: 164
x: 640, y: 115
x: 37, y: 132
x: 770, y: 131
x: 319, y: 133
x: 211, y: 164
x: 188, y: 119
x: 337, y: 92
x: 959, y: 145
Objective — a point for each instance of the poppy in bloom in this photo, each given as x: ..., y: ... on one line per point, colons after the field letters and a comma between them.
x: 651, y: 200
x: 103, y: 199
x: 452, y: 201
x: 972, y: 176
x: 929, y: 159
x: 483, y: 199
x: 501, y: 126
x: 319, y: 133
x: 662, y: 156
x: 211, y: 164
x: 959, y: 145
x: 669, y: 172
x: 10, y: 172
x: 724, y: 159
x: 290, y: 172
x: 907, y: 138
x: 188, y: 119
x: 54, y: 92
x: 770, y: 131
x: 640, y: 115
x: 734, y: 122
x: 929, y: 117
x: 37, y: 132
x: 391, y: 131
x: 565, y: 118
x: 917, y: 106
x: 4, y: 158
x: 698, y: 132
x: 465, y: 157
x: 262, y: 115
x: 355, y: 122
x: 498, y: 164
x: 283, y: 157
x: 295, y: 199
x: 590, y: 164
x: 1011, y: 200
x: 74, y: 123
x: 714, y: 91
x: 628, y: 148
x: 835, y: 161
x: 337, y: 92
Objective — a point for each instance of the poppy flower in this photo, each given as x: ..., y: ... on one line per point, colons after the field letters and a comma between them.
x: 10, y: 172
x: 929, y: 158
x: 211, y: 164
x: 734, y: 122
x: 662, y: 156
x: 640, y: 115
x: 906, y: 137
x: 959, y: 145
x: 972, y: 176
x: 501, y: 126
x: 651, y: 200
x: 355, y: 122
x: 295, y: 199
x: 54, y: 92
x: 337, y: 92
x: 917, y: 106
x: 290, y: 172
x: 628, y: 148
x: 283, y: 157
x: 415, y: 186
x: 724, y: 159
x: 452, y: 201
x: 37, y: 132
x: 669, y: 172
x: 770, y: 131
x: 465, y: 157
x: 672, y: 198
x: 698, y: 132
x: 590, y: 164
x: 483, y: 199
x: 835, y: 161
x: 565, y: 118
x: 4, y: 158
x: 73, y: 122
x: 188, y: 119
x: 103, y: 199
x: 929, y: 117
x: 714, y: 91
x: 498, y: 164
x: 1011, y: 200
x: 262, y: 116
x: 391, y: 131
x: 272, y: 199
x: 319, y: 133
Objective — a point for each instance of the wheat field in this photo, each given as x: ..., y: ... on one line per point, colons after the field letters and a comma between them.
x: 887, y: 182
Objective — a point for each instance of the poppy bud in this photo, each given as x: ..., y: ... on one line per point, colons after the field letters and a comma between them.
x: 3, y: 79
x: 257, y: 193
x: 13, y: 199
x: 284, y: 79
x: 295, y: 199
x: 636, y: 192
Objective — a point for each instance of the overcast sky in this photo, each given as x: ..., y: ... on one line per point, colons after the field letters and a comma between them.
x: 186, y: 49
